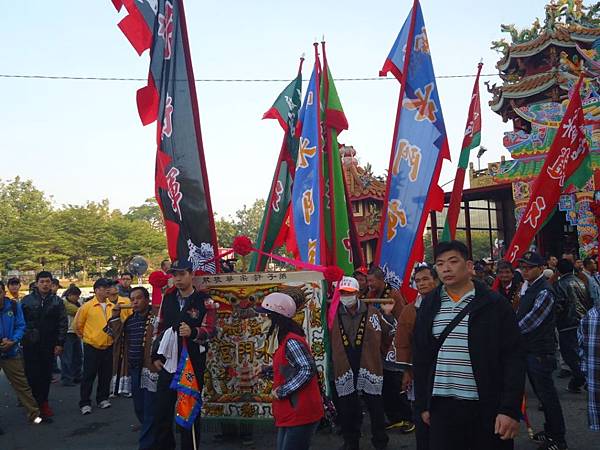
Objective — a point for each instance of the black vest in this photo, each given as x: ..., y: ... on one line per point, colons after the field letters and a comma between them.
x: 192, y: 313
x: 542, y: 339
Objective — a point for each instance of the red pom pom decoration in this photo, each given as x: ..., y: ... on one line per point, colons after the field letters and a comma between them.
x: 333, y: 274
x: 242, y: 245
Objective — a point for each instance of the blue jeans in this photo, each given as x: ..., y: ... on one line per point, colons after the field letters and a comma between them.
x: 539, y: 371
x: 296, y: 438
x: 71, y: 359
x: 143, y: 404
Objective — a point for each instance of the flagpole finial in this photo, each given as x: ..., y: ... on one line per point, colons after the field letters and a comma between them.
x: 323, y: 39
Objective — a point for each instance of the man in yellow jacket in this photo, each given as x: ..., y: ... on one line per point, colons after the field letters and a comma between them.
x: 91, y: 324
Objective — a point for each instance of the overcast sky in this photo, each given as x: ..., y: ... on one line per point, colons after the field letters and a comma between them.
x: 83, y: 140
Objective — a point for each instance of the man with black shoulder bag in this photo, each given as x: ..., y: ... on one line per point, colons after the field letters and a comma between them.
x: 468, y: 360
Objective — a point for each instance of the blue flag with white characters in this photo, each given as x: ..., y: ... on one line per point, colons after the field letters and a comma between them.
x: 307, y: 188
x: 420, y: 145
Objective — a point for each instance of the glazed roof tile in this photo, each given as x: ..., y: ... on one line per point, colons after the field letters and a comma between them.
x: 361, y: 184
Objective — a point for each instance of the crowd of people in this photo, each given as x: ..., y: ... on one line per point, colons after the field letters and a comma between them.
x: 449, y: 367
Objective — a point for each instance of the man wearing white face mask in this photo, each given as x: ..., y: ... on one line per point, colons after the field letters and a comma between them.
x: 356, y: 337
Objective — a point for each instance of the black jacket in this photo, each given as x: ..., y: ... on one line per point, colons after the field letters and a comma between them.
x: 46, y: 320
x: 171, y: 316
x: 571, y: 296
x: 541, y: 340
x: 495, y: 348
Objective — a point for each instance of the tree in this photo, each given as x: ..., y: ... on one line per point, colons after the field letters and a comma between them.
x: 245, y: 223
x: 89, y: 238
x: 134, y: 237
x: 82, y: 235
x: 24, y: 226
x: 150, y: 212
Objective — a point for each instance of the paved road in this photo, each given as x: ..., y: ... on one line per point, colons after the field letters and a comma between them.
x: 111, y: 428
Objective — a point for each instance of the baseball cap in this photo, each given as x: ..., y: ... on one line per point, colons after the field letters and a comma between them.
x: 349, y: 284
x: 479, y: 266
x: 279, y: 303
x: 532, y: 259
x: 103, y: 282
x: 181, y: 265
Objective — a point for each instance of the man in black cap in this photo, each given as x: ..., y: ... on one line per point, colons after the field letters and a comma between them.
x: 537, y: 323
x: 191, y: 315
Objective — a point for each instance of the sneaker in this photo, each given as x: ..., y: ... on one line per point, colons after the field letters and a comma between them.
x: 540, y: 437
x: 404, y: 426
x: 552, y: 445
x: 45, y: 410
x: 85, y: 410
x: 104, y: 404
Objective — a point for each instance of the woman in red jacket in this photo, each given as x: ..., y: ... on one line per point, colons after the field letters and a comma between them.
x: 297, y: 402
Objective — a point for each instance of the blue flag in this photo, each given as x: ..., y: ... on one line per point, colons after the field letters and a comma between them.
x: 420, y: 145
x: 306, y: 192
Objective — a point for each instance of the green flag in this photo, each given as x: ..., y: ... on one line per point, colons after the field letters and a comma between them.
x: 342, y: 248
x: 274, y: 226
x: 471, y: 139
x: 582, y: 175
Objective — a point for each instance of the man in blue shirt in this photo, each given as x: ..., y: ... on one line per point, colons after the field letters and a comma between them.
x: 12, y: 328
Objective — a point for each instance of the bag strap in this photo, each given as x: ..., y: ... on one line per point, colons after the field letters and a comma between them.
x: 452, y: 325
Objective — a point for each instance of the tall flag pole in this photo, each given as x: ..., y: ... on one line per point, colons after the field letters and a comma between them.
x: 181, y: 180
x: 471, y: 140
x: 567, y: 164
x: 273, y: 228
x: 340, y: 231
x: 419, y: 146
x: 307, y: 191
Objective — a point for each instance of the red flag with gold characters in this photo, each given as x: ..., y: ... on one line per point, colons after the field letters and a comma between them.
x: 567, y: 153
x: 181, y: 181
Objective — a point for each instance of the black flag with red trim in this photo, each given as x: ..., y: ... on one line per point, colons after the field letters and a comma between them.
x: 181, y: 182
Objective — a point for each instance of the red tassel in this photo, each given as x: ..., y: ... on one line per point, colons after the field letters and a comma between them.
x: 136, y: 30
x: 242, y: 245
x: 333, y: 274
x: 147, y: 102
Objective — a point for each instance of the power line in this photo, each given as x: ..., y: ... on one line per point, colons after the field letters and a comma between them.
x: 212, y: 80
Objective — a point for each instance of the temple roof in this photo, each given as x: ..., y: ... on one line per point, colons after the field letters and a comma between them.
x: 528, y: 169
x: 562, y: 36
x: 361, y: 183
x: 526, y: 87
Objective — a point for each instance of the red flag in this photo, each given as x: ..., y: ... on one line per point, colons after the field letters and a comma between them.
x: 568, y: 151
x: 471, y: 140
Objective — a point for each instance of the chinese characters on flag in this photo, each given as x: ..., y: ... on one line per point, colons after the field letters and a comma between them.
x: 568, y: 151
